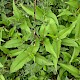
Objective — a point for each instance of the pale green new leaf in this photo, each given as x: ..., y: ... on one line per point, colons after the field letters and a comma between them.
x: 71, y: 69
x: 13, y: 43
x: 49, y: 47
x: 69, y: 42
x: 2, y: 77
x: 42, y: 60
x: 65, y: 32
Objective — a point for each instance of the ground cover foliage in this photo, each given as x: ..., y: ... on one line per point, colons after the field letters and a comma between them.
x: 44, y: 46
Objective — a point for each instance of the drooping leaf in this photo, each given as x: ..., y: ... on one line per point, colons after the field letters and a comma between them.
x: 71, y: 69
x: 13, y: 43
x: 69, y: 42
x: 42, y: 60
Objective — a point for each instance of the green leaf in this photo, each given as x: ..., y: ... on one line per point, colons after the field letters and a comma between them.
x: 25, y: 27
x: 2, y: 77
x: 43, y: 30
x: 75, y: 53
x: 49, y: 47
x: 69, y: 42
x: 13, y: 43
x: 50, y: 14
x: 71, y: 69
x: 36, y: 45
x: 28, y: 10
x: 11, y: 32
x: 73, y: 3
x: 65, y: 12
x: 16, y: 11
x: 42, y: 60
x: 20, y: 60
x: 67, y: 56
x: 5, y: 50
x: 1, y: 65
x: 52, y: 26
x: 16, y: 52
x: 57, y: 46
x: 65, y: 32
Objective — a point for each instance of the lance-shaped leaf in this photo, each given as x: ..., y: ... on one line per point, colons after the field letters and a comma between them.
x: 2, y: 77
x: 69, y: 42
x: 49, y: 47
x: 57, y: 46
x: 20, y: 60
x: 63, y: 33
x: 71, y: 69
x: 75, y: 53
x: 16, y: 11
x: 13, y: 43
x: 42, y: 60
